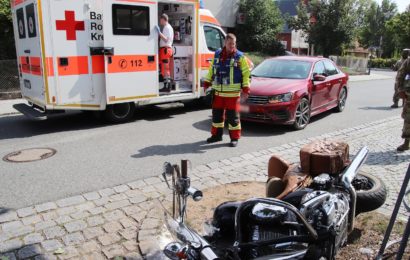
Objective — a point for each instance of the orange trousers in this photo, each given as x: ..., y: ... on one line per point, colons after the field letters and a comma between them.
x: 165, y: 55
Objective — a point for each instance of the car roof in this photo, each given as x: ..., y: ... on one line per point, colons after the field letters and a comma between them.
x: 300, y: 58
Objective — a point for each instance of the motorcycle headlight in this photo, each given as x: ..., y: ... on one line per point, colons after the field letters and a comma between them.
x: 281, y: 98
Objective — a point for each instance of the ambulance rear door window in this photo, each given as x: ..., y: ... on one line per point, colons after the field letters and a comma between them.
x: 20, y: 23
x: 31, y: 21
x: 130, y: 20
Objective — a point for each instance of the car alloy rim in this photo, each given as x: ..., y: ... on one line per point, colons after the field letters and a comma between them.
x: 303, y: 113
x: 342, y: 99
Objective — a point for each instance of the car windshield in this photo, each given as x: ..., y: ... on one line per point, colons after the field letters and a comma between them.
x: 283, y: 69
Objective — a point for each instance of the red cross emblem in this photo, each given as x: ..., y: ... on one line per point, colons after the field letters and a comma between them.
x: 70, y: 25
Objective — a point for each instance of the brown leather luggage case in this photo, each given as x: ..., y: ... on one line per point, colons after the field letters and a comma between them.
x: 324, y: 157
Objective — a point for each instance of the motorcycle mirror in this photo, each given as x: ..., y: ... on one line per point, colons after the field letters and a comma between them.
x: 172, y: 249
x: 168, y: 169
x: 195, y: 194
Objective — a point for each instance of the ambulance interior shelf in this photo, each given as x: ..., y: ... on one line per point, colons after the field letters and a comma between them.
x: 180, y: 18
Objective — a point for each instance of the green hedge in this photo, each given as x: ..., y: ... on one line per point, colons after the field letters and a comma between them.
x: 382, y: 63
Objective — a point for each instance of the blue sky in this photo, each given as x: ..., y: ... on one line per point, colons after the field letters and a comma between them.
x: 401, y: 4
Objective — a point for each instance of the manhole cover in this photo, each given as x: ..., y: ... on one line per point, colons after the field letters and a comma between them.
x: 30, y: 155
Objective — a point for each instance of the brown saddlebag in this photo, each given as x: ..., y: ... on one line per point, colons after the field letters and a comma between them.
x: 324, y: 157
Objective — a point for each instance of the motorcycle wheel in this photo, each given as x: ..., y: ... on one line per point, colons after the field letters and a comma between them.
x: 371, y: 193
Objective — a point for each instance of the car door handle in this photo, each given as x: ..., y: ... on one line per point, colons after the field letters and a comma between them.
x: 328, y: 84
x: 340, y: 80
x: 209, y: 60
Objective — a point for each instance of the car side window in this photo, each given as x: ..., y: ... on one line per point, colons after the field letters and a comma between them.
x: 319, y: 69
x: 330, y: 68
x: 214, y: 38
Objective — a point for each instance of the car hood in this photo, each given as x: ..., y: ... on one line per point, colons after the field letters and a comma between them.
x: 274, y: 86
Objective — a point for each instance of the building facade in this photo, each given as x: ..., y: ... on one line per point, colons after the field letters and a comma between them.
x: 226, y: 11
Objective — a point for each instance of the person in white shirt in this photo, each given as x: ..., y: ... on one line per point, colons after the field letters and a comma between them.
x: 166, y: 37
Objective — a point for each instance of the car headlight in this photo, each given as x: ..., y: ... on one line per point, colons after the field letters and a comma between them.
x: 281, y: 98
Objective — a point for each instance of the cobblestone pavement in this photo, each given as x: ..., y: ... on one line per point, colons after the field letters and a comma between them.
x: 123, y: 221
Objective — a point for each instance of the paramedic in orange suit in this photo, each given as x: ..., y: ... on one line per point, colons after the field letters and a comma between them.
x: 166, y: 39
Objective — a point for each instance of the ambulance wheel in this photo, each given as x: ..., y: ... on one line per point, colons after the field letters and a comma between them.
x: 119, y: 113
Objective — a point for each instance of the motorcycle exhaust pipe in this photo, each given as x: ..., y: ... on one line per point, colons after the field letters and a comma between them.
x: 347, y: 178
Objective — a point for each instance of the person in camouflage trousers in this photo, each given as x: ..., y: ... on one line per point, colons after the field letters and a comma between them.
x: 403, y: 84
x: 396, y: 67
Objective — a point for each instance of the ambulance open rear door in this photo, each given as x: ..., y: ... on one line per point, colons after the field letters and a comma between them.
x: 130, y: 50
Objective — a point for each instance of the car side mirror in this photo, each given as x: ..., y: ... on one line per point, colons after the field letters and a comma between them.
x: 319, y: 77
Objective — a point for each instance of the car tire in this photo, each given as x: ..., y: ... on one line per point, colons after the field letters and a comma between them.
x: 341, y: 101
x: 302, y: 114
x: 371, y: 193
x: 119, y: 113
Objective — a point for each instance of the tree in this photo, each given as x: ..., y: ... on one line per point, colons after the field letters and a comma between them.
x: 263, y: 22
x: 7, y: 49
x: 328, y: 24
x: 398, y: 28
x: 373, y: 31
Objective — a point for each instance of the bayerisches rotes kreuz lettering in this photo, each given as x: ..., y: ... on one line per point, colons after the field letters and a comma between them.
x: 96, y: 27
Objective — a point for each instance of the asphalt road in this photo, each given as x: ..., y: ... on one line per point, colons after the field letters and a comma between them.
x: 92, y: 155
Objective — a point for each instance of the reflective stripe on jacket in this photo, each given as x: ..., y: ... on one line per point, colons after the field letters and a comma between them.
x: 229, y: 76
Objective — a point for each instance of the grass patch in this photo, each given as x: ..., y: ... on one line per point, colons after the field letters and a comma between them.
x: 351, y: 72
x: 257, y: 57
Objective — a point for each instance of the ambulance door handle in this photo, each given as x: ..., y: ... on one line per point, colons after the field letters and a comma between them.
x: 151, y: 58
x: 109, y: 59
x: 208, y: 60
x: 27, y: 51
x: 108, y: 51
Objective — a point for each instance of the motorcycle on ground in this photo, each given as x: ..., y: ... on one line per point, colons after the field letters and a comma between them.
x: 312, y: 222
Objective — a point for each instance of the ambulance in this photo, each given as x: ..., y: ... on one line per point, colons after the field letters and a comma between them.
x: 102, y: 55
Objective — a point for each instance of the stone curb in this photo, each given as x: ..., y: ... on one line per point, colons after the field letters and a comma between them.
x: 124, y: 220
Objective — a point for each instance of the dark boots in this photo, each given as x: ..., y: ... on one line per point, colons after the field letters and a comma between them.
x: 234, y: 143
x: 405, y: 146
x: 214, y: 139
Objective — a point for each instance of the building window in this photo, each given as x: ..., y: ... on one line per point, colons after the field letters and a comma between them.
x: 130, y: 20
x: 214, y: 38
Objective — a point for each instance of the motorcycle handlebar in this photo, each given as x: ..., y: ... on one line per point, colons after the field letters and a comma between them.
x: 184, y: 168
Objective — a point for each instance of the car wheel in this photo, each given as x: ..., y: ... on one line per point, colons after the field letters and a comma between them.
x: 119, y: 113
x: 302, y: 117
x: 341, y: 103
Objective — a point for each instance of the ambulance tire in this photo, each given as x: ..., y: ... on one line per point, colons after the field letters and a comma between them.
x: 119, y: 113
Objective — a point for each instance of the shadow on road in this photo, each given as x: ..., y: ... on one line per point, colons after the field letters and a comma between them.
x: 19, y: 126
x: 380, y: 108
x: 188, y: 148
x: 387, y: 158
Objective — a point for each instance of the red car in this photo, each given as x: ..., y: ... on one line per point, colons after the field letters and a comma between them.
x: 290, y: 89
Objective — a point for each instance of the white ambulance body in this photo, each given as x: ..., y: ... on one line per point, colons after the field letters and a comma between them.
x: 103, y: 54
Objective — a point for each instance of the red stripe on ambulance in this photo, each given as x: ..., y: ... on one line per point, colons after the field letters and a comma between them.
x: 132, y: 63
x: 97, y: 63
x: 75, y: 65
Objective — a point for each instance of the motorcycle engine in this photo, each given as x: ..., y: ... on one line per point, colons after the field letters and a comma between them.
x: 322, y: 182
x: 328, y: 213
x: 263, y: 217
